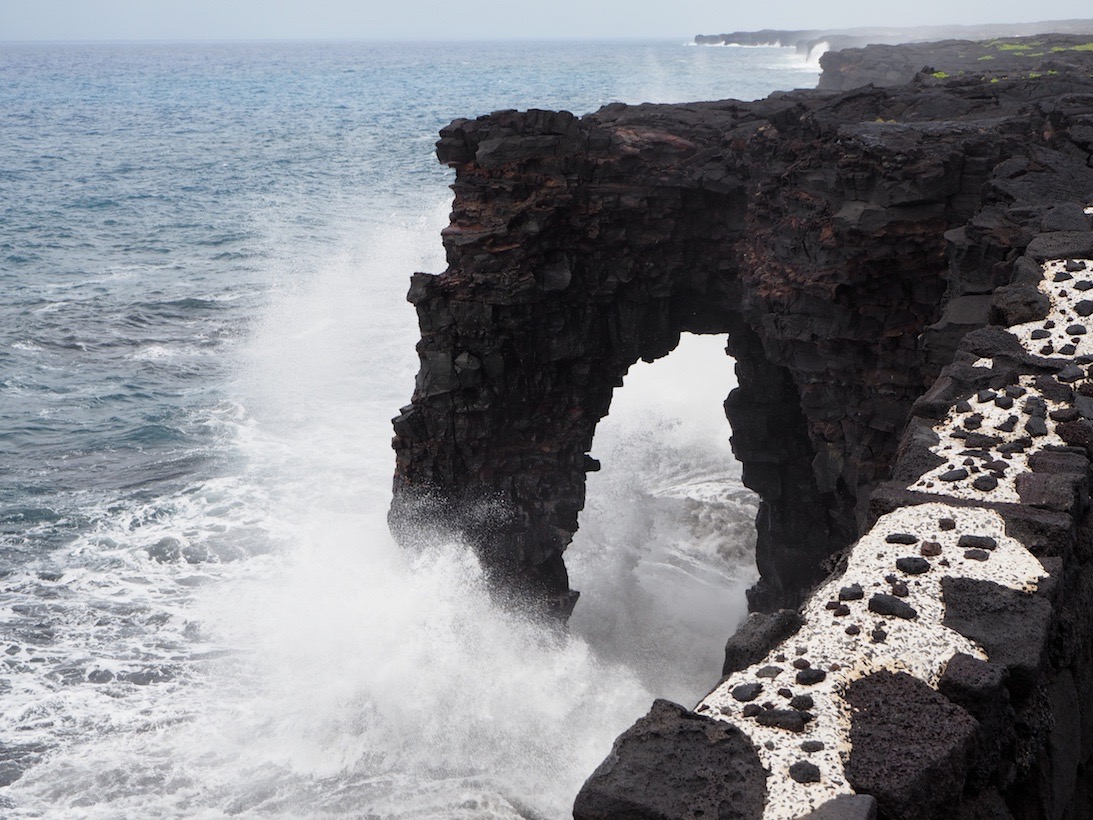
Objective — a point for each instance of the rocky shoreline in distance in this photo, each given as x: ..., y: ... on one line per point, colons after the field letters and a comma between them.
x: 806, y: 40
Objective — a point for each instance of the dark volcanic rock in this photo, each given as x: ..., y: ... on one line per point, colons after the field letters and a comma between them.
x: 1010, y: 625
x: 789, y: 719
x: 853, y: 592
x: 804, y: 772
x: 715, y: 772
x: 909, y: 745
x: 747, y: 692
x: 852, y: 247
x: 846, y: 807
x: 983, y: 55
x: 913, y: 565
x: 824, y: 234
x: 981, y: 542
x: 890, y: 605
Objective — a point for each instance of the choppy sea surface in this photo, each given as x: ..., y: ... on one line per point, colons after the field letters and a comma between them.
x: 204, y: 251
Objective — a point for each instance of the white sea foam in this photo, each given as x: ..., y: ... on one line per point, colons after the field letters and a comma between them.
x: 308, y: 664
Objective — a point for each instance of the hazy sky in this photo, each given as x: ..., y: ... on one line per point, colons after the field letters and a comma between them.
x: 485, y: 19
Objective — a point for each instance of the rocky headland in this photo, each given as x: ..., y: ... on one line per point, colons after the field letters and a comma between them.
x: 806, y: 41
x: 901, y: 273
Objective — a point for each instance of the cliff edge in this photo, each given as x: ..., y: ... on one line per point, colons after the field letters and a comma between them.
x: 892, y: 268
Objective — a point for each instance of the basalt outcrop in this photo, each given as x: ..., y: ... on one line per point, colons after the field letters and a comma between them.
x: 892, y: 268
x: 987, y: 60
x: 843, y: 242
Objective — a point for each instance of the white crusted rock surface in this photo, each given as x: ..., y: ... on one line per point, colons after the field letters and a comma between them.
x: 886, y: 611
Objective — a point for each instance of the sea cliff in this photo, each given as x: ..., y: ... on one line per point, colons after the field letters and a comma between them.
x: 893, y: 268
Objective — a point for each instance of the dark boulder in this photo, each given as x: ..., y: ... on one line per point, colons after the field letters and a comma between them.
x: 675, y: 765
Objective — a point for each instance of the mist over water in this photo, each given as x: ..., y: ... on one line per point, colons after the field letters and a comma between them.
x: 206, y: 336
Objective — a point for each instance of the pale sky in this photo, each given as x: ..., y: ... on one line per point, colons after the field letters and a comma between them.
x: 486, y: 19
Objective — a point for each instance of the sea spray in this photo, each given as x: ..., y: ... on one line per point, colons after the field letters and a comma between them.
x: 666, y: 541
x: 204, y: 339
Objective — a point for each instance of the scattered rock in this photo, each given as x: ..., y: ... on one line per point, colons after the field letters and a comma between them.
x: 747, y: 692
x: 853, y: 592
x: 901, y: 538
x: 929, y: 549
x: 891, y: 605
x: 913, y: 565
x: 1036, y: 427
x: 982, y: 542
x: 789, y: 719
x: 959, y: 474
x: 804, y: 772
x: 802, y: 702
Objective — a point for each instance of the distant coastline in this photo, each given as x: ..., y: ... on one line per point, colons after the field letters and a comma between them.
x: 805, y: 40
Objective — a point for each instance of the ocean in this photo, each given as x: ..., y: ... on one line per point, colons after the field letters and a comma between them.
x: 204, y: 254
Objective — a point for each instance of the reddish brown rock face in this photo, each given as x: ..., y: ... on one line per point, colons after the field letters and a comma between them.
x: 844, y: 243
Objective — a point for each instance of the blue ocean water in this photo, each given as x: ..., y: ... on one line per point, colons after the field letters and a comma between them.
x: 204, y: 251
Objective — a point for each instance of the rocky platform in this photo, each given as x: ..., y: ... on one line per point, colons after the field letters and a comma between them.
x: 891, y: 268
x: 988, y: 60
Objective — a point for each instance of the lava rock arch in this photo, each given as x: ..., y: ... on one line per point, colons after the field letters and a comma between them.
x: 809, y: 228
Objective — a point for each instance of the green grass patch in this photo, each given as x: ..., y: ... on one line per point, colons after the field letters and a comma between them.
x: 986, y: 57
x: 940, y: 75
x: 1080, y: 47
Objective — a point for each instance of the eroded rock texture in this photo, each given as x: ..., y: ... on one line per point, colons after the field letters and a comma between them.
x: 844, y: 243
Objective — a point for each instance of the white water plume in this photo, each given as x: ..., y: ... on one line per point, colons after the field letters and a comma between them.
x: 812, y: 61
x: 330, y: 673
x: 665, y: 548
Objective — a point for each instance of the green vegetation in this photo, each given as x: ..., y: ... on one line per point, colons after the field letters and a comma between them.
x: 1015, y: 46
x: 1080, y: 47
x: 986, y: 57
x: 940, y: 75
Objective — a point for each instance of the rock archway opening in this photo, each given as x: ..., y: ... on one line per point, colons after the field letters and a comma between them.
x: 666, y: 545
